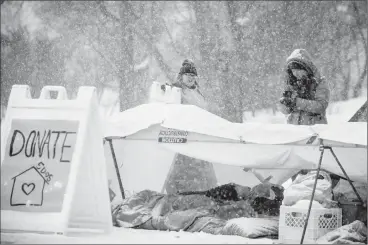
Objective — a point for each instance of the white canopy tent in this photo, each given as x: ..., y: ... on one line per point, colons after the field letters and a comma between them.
x: 161, y: 130
x: 135, y: 132
x: 275, y: 146
x: 273, y: 149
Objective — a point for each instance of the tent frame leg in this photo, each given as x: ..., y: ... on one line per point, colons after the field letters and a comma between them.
x: 116, y: 168
x: 322, y: 148
x: 346, y: 175
x: 312, y: 197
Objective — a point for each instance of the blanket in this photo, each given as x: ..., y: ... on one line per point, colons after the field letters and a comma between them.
x: 353, y: 233
x: 190, y: 212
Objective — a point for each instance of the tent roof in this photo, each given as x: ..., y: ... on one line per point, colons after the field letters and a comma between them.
x: 253, y: 145
x: 346, y: 133
x: 194, y: 119
x: 135, y: 119
x: 177, y: 116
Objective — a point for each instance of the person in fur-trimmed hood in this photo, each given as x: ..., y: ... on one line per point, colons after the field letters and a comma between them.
x: 306, y: 94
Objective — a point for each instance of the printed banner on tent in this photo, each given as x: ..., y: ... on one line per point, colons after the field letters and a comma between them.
x: 172, y: 136
x: 36, y: 166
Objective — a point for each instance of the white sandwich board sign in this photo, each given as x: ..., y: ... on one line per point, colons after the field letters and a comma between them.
x: 53, y: 170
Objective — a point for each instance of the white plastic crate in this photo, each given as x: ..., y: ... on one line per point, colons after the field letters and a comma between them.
x: 321, y: 221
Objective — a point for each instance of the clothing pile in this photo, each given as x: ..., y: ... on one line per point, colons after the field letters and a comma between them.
x: 209, y: 211
x: 302, y: 187
x: 354, y: 230
x: 353, y: 233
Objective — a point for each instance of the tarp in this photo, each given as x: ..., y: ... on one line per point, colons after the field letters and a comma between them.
x: 252, y: 145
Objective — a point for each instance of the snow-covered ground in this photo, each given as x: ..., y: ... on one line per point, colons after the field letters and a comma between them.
x: 129, y: 236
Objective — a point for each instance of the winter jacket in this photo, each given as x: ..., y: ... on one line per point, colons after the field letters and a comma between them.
x: 190, y: 93
x: 312, y: 110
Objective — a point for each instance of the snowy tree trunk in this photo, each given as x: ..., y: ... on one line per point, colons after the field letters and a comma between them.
x: 189, y: 174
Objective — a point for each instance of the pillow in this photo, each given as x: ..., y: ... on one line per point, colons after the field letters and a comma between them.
x: 252, y: 227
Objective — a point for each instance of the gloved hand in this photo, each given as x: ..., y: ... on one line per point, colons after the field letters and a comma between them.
x: 163, y: 87
x: 288, y: 101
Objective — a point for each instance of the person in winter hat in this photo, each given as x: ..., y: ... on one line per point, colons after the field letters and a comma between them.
x: 187, y: 77
x: 187, y: 80
x: 306, y: 94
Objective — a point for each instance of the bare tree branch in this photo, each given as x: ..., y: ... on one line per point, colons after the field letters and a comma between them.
x: 358, y: 86
x: 180, y: 12
x: 173, y: 43
x: 360, y: 24
x: 104, y: 57
x: 130, y: 8
x: 146, y: 37
x: 19, y: 8
x: 356, y: 49
x: 160, y: 59
x: 107, y: 13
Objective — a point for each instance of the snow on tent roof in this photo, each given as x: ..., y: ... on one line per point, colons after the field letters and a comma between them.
x: 348, y: 133
x: 194, y: 119
x: 135, y: 119
x: 271, y: 134
x: 178, y: 116
x: 258, y: 137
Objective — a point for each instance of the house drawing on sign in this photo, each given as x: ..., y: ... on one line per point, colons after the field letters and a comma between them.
x: 28, y: 188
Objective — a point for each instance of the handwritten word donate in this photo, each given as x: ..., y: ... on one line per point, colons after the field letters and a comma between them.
x: 38, y: 144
